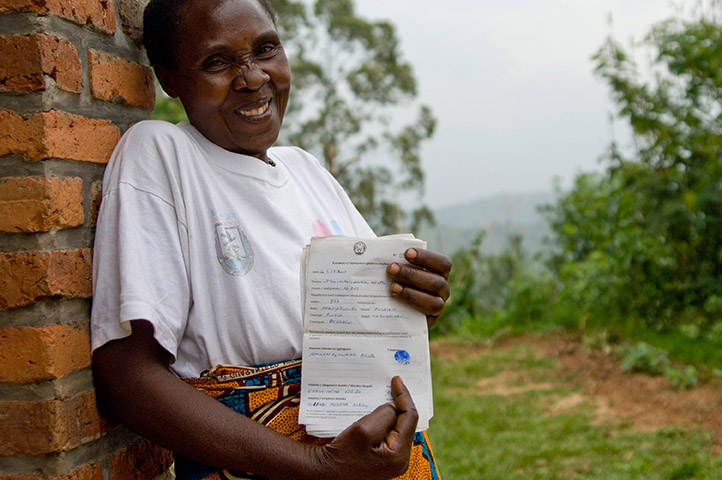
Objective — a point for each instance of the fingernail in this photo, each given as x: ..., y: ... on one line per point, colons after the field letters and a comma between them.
x: 396, y: 289
x: 394, y: 268
x: 411, y: 253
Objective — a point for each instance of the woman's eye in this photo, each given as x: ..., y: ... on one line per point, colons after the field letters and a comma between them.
x: 215, y: 64
x: 267, y: 50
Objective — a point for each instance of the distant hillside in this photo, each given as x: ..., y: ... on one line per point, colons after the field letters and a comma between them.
x: 500, y: 215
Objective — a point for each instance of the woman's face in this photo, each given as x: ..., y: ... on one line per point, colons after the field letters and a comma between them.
x: 231, y: 74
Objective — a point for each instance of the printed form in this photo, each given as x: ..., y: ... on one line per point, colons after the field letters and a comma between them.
x: 356, y: 336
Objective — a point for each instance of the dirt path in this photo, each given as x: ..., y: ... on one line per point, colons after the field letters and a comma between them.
x: 650, y: 403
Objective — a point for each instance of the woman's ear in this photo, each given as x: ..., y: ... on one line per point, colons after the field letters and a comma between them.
x: 165, y: 78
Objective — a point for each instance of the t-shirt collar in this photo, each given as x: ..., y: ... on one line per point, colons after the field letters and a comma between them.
x: 239, y: 163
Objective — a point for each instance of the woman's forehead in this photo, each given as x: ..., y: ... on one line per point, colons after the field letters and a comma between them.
x: 210, y: 24
x: 219, y: 13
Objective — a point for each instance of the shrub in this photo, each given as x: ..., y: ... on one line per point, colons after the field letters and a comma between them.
x: 645, y: 358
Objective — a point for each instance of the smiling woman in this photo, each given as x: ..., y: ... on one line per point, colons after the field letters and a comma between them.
x: 196, y: 267
x: 234, y: 80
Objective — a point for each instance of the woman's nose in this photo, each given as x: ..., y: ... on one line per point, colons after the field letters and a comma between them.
x: 250, y: 76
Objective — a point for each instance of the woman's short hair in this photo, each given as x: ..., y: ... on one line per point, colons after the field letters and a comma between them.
x: 161, y: 24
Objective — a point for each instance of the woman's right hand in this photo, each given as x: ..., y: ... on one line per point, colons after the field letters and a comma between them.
x: 376, y: 446
x: 135, y: 386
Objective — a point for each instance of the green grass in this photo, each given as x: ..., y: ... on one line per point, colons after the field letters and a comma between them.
x: 476, y: 436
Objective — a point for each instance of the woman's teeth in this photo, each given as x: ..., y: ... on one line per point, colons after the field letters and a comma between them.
x: 255, y: 112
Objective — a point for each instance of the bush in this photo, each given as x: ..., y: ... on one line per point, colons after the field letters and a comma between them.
x: 645, y: 358
x: 643, y: 242
x: 491, y: 292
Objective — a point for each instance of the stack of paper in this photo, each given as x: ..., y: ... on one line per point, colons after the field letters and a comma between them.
x: 356, y: 336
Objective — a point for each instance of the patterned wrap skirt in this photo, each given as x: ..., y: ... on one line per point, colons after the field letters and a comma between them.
x: 271, y: 395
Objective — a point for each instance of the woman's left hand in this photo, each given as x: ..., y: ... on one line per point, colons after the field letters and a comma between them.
x: 424, y: 284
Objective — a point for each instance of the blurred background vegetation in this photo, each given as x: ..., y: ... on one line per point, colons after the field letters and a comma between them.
x: 636, y: 251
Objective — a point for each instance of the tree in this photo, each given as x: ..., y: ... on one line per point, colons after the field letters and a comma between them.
x: 350, y: 83
x: 348, y: 77
x: 645, y: 240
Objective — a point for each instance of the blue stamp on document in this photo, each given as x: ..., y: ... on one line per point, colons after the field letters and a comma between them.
x: 402, y: 357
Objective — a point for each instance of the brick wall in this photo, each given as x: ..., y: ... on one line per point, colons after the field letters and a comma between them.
x: 72, y: 79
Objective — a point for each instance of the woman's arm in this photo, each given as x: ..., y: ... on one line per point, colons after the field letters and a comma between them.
x: 135, y: 387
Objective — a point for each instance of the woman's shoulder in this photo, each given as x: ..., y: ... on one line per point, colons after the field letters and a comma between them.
x: 292, y: 153
x: 149, y: 152
x: 155, y: 129
x: 297, y: 160
x: 152, y: 141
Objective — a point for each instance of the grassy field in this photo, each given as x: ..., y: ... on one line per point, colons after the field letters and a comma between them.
x: 500, y: 413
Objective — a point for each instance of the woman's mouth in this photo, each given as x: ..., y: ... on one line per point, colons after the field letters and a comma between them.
x: 254, y: 112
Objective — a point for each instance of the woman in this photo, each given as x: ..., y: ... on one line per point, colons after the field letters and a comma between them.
x: 197, y: 255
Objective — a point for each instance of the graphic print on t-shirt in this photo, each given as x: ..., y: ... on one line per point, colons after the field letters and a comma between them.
x: 233, y: 249
x: 321, y: 230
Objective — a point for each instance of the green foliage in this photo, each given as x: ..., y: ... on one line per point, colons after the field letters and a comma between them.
x: 532, y: 295
x: 167, y: 108
x: 681, y: 348
x: 683, y: 377
x: 689, y: 330
x: 644, y: 242
x: 715, y: 333
x: 467, y: 287
x: 490, y: 292
x: 645, y: 358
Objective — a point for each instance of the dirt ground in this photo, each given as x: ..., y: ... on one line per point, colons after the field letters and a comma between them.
x: 650, y: 403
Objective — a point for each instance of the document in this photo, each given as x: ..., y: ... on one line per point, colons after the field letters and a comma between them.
x: 356, y: 336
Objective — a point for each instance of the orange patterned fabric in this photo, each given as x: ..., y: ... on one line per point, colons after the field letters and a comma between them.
x: 271, y: 395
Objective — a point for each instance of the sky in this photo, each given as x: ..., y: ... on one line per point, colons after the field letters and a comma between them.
x: 511, y: 84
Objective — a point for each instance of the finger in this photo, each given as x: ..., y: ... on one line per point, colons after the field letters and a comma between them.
x: 420, y: 301
x: 407, y: 416
x: 372, y: 429
x: 435, y: 262
x: 419, y: 279
x: 431, y: 320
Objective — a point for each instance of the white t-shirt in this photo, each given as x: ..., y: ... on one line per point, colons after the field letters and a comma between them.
x: 206, y: 244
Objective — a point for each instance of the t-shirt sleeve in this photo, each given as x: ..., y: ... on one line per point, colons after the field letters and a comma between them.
x: 139, y: 266
x: 360, y: 226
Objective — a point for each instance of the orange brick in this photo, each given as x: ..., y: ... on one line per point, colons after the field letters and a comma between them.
x: 86, y: 472
x: 57, y: 134
x: 28, y: 277
x: 36, y: 354
x: 70, y: 271
x: 131, y: 19
x: 114, y: 79
x: 29, y: 59
x: 98, y: 14
x: 141, y: 460
x: 36, y: 428
x: 29, y: 204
